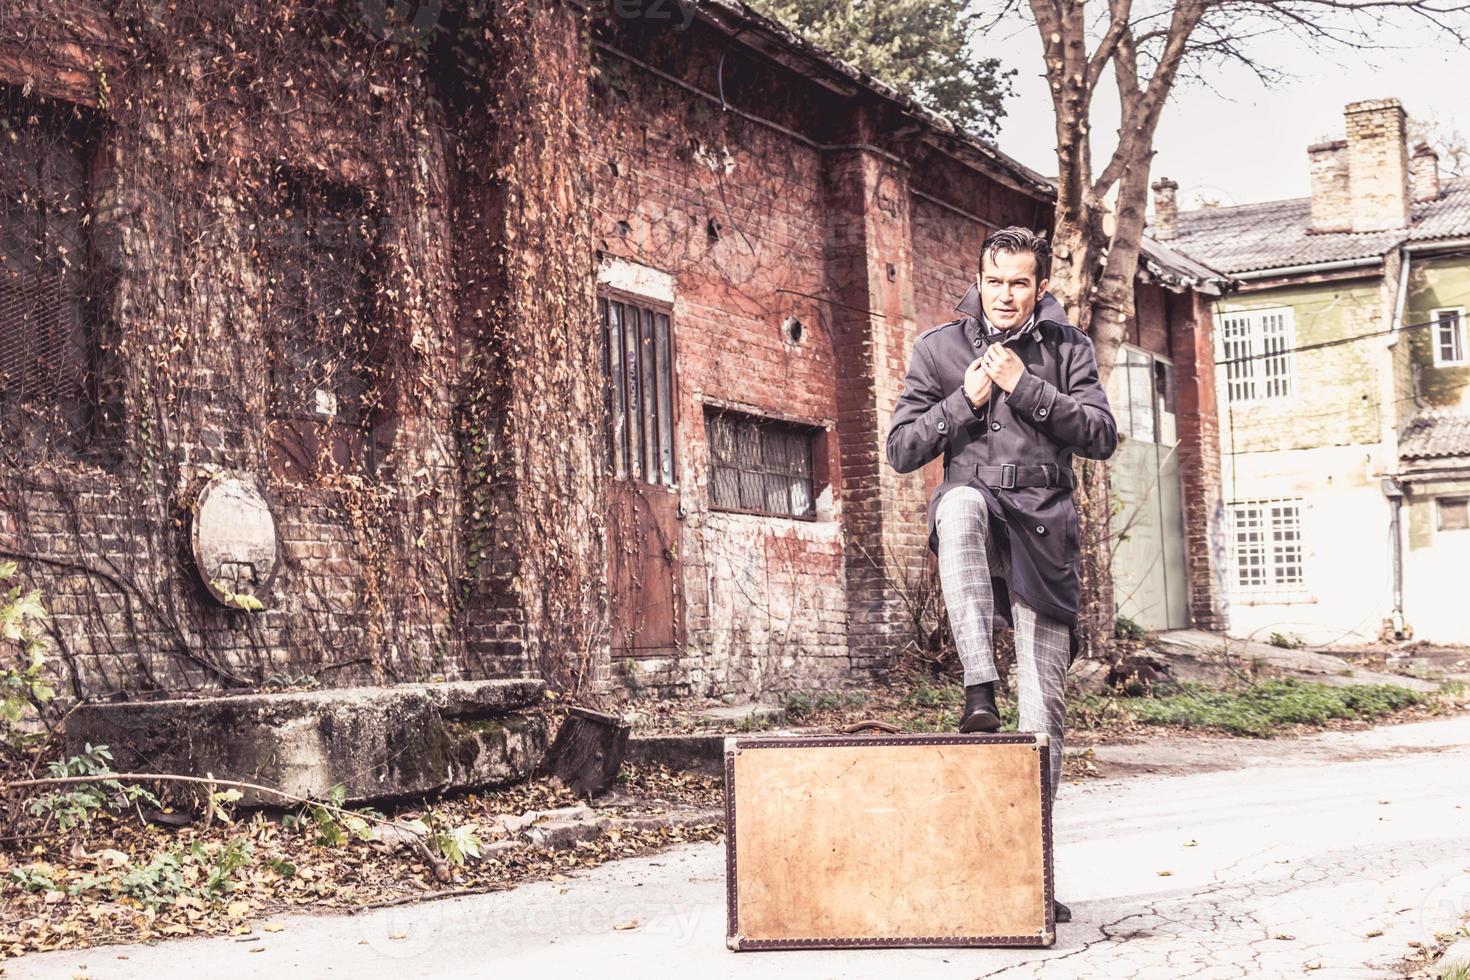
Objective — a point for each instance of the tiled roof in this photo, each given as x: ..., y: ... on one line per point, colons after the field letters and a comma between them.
x: 1178, y: 271
x: 1435, y: 432
x: 1275, y: 234
x: 1446, y: 217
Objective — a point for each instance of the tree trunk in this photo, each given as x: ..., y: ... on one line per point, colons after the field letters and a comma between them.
x: 588, y: 751
x: 1078, y: 244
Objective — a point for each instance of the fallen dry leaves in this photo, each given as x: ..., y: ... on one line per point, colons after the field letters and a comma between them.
x: 291, y: 873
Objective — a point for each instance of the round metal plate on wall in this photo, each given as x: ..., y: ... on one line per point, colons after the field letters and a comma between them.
x: 234, y: 542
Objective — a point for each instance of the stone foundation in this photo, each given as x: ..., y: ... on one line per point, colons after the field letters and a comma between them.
x: 379, y: 743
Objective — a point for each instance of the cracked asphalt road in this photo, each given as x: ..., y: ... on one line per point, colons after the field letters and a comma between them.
x: 1324, y: 855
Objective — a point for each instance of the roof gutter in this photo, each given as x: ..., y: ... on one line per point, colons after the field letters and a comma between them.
x: 1292, y: 270
x: 1401, y: 298
x: 1434, y: 246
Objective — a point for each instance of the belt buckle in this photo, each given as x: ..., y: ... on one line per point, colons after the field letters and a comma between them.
x: 1008, y: 476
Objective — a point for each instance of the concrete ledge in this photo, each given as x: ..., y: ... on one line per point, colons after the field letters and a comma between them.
x: 378, y: 742
x: 688, y: 753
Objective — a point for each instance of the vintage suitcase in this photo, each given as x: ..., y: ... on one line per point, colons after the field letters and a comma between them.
x: 888, y: 840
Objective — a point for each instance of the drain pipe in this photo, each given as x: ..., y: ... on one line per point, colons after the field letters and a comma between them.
x: 1395, y: 495
x: 1392, y: 489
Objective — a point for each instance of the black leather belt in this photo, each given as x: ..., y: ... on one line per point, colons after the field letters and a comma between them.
x: 1008, y: 476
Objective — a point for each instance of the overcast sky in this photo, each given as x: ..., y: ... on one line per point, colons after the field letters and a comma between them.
x: 1237, y: 141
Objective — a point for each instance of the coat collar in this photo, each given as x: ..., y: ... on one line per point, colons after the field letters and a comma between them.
x: 1049, y: 310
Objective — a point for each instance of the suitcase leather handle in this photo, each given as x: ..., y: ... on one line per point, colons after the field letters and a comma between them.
x: 870, y: 724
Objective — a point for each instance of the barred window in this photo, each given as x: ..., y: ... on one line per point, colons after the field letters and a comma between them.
x: 47, y: 338
x: 327, y: 353
x: 760, y: 465
x: 1268, y: 544
x: 638, y: 359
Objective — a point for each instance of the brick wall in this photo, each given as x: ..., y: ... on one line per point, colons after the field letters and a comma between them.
x: 1150, y: 329
x: 368, y: 566
x: 763, y: 197
x: 734, y: 211
x: 1192, y: 348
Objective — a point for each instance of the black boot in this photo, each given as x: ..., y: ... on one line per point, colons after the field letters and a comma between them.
x: 1063, y: 914
x: 980, y: 714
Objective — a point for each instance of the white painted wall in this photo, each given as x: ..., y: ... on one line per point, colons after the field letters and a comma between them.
x: 1436, y: 569
x: 1348, y: 589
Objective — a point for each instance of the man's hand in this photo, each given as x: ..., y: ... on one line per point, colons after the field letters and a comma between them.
x: 977, y: 384
x: 1002, y: 366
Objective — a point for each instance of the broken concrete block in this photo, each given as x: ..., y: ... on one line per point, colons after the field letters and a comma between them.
x: 377, y: 742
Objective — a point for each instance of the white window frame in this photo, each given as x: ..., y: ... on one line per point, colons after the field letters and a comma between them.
x: 1255, y: 352
x: 1281, y: 574
x: 1437, y: 342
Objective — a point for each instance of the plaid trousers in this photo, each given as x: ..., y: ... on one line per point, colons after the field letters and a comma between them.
x: 1042, y: 643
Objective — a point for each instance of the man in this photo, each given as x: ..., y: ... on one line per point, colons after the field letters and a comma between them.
x: 1007, y: 394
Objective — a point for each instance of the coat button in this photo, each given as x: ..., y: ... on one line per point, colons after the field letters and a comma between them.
x: 1041, y: 412
x: 940, y: 425
x: 1041, y: 529
x: 977, y: 341
x: 995, y: 426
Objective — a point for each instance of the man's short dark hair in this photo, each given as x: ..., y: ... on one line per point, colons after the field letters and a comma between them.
x: 1014, y: 241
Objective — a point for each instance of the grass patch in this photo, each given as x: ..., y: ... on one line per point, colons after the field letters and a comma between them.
x: 1263, y: 709
x: 1259, y: 710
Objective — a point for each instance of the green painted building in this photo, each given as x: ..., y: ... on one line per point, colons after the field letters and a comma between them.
x: 1343, y: 379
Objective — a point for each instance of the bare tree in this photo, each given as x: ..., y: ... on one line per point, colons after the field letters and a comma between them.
x: 1446, y: 139
x: 1149, y: 45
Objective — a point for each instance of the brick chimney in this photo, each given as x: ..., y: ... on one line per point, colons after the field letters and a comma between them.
x: 1424, y: 173
x: 1166, y: 208
x: 1332, y: 200
x: 1378, y: 164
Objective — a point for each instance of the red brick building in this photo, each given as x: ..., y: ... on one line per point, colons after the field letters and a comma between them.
x: 553, y: 350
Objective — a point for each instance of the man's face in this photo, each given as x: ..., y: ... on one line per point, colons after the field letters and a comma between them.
x: 1009, y: 289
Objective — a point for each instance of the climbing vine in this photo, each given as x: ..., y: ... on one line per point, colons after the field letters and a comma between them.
x: 225, y: 253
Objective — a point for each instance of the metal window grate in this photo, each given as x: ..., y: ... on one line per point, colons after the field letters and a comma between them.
x: 326, y: 355
x: 46, y: 339
x: 638, y: 360
x: 759, y: 465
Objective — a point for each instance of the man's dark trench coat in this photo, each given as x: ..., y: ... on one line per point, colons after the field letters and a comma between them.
x: 1058, y: 409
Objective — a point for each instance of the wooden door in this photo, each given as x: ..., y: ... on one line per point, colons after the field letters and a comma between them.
x: 643, y: 498
x: 643, y: 546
